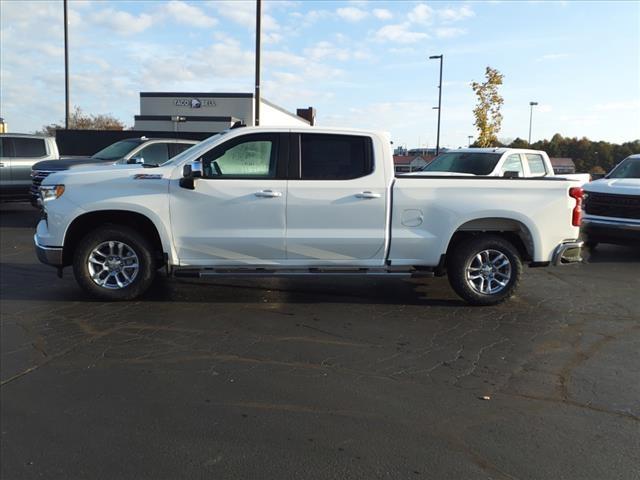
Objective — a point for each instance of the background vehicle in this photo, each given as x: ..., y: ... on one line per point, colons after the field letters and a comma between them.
x: 612, y: 206
x: 280, y: 201
x: 18, y: 152
x: 150, y: 151
x: 496, y: 162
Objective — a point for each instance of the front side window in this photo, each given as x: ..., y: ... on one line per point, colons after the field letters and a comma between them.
x: 251, y: 156
x: 29, y: 147
x: 154, y: 154
x: 335, y: 157
x: 475, y: 163
x: 513, y: 164
x: 536, y: 164
x: 177, y: 148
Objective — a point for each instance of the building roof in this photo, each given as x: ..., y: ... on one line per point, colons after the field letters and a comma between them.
x: 562, y: 162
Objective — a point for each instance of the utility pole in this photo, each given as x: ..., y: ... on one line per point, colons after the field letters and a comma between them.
x: 257, y: 94
x: 66, y: 67
x: 531, y: 105
x: 470, y: 137
x: 439, y: 107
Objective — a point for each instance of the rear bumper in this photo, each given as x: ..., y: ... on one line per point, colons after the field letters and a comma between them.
x: 48, y: 255
x: 567, y: 252
x: 611, y: 231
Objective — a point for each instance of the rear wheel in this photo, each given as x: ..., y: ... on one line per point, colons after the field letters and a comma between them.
x: 484, y: 269
x: 114, y: 263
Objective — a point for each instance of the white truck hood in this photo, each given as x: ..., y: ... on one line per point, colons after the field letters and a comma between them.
x: 94, y: 174
x: 620, y: 186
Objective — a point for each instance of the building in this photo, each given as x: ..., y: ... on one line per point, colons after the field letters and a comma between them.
x: 563, y: 165
x: 410, y: 163
x: 211, y: 112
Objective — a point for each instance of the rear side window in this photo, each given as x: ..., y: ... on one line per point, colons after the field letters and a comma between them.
x: 29, y: 147
x: 6, y: 147
x: 536, y: 164
x: 513, y: 164
x: 335, y: 157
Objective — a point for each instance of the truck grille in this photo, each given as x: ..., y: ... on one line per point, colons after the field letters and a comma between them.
x: 37, y: 176
x: 607, y: 205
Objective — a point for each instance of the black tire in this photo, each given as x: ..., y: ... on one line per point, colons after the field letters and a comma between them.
x: 464, y: 255
x: 119, y: 234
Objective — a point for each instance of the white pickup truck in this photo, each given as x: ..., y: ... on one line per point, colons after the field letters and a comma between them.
x: 309, y: 201
x: 496, y: 162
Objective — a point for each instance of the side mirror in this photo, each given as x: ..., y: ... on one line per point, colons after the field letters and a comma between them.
x: 135, y: 160
x: 511, y: 174
x: 187, y: 180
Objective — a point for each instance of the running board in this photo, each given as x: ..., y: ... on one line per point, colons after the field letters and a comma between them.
x: 186, y: 272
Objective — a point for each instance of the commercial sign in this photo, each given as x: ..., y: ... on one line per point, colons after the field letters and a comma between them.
x: 194, y: 102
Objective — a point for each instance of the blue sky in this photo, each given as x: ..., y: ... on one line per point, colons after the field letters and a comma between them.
x: 361, y: 64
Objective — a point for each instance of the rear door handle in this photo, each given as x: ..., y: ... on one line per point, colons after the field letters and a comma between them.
x: 368, y: 195
x: 268, y: 194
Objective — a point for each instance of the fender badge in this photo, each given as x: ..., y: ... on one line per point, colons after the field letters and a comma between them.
x: 147, y: 176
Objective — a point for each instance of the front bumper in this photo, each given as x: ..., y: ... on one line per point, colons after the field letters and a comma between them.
x: 611, y: 231
x: 567, y: 252
x: 48, y: 255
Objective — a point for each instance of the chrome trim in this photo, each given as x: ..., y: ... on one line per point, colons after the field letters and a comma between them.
x: 566, y: 253
x: 48, y: 255
x: 620, y: 225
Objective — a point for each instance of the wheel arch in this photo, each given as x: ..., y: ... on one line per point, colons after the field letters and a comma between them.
x: 515, y: 231
x: 86, y: 222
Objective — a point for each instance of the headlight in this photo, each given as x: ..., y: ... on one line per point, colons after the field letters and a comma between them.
x: 51, y: 192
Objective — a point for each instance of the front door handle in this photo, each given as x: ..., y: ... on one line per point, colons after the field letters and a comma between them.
x: 268, y: 194
x: 368, y: 195
x: 1, y: 164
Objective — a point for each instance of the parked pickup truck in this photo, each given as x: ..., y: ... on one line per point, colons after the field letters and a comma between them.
x: 309, y: 201
x: 18, y: 152
x: 612, y: 206
x: 496, y: 162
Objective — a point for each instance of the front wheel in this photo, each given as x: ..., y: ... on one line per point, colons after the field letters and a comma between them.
x: 114, y: 263
x: 484, y: 269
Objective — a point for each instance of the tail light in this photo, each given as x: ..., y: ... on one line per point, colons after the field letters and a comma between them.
x: 578, y: 194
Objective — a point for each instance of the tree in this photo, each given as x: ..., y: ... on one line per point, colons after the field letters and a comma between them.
x: 487, y: 111
x: 78, y: 120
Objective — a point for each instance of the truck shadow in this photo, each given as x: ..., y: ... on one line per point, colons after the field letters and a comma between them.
x: 18, y: 215
x: 605, y: 253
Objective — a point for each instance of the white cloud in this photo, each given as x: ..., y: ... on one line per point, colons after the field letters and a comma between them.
x: 552, y: 56
x: 421, y: 13
x: 244, y: 13
x: 351, y: 14
x: 399, y: 33
x: 382, y: 14
x: 449, y: 32
x: 186, y: 14
x: 455, y: 14
x: 122, y: 22
x: 617, y: 106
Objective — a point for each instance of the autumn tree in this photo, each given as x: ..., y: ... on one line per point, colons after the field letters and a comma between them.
x: 487, y: 111
x: 78, y: 120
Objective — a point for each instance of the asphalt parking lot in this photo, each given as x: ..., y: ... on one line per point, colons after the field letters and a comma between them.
x: 319, y: 378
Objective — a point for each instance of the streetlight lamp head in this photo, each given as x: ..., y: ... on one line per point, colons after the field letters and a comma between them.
x: 533, y: 103
x: 433, y: 57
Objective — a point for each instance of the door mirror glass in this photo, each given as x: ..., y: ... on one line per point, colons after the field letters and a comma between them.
x: 196, y: 168
x: 135, y: 160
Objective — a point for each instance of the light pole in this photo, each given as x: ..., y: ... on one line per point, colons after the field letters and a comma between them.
x: 66, y: 67
x: 470, y: 137
x: 439, y: 107
x: 531, y: 105
x: 257, y: 94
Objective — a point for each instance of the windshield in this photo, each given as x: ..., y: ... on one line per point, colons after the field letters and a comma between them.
x: 182, y: 155
x: 117, y: 150
x: 628, y: 168
x: 464, y: 162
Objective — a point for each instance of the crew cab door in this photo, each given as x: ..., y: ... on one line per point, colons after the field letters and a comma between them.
x: 236, y: 212
x: 336, y: 201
